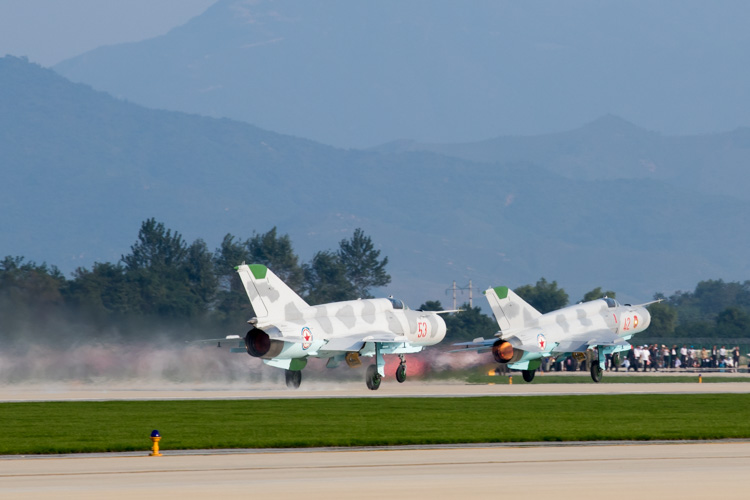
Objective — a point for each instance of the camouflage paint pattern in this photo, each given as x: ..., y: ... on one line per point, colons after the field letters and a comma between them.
x: 603, y: 324
x: 336, y: 328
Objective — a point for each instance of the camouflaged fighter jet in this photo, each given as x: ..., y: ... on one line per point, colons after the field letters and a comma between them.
x: 286, y: 330
x: 599, y: 327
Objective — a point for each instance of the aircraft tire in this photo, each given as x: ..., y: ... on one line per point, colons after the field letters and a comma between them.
x: 528, y: 375
x: 596, y: 372
x: 372, y: 378
x: 401, y: 373
x: 293, y: 378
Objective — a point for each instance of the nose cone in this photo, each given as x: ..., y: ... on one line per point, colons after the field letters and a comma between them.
x: 440, y: 330
x: 644, y: 316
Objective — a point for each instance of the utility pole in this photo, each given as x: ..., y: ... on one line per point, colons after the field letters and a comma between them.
x: 455, y: 288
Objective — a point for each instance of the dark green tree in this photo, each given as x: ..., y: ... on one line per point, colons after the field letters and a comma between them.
x: 709, y: 299
x: 30, y: 284
x: 326, y: 280
x: 695, y: 330
x: 543, y: 296
x: 276, y: 253
x: 714, y: 296
x: 201, y: 276
x: 172, y: 279
x: 232, y: 305
x: 597, y: 293
x: 431, y: 305
x: 102, y: 292
x: 663, y: 320
x: 31, y: 301
x: 733, y: 322
x: 469, y: 324
x: 364, y: 268
x: 156, y: 249
x: 229, y: 255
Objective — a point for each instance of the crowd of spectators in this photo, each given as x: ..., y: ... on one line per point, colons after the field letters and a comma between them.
x: 657, y: 357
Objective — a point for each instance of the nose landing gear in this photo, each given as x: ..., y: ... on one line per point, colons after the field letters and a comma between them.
x: 401, y: 370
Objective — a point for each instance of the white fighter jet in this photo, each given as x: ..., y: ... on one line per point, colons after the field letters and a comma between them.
x: 600, y: 327
x: 286, y: 330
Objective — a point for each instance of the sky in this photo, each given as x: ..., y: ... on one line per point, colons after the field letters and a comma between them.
x: 49, y: 31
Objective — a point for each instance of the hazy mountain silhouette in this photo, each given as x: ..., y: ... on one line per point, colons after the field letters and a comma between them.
x: 612, y: 148
x: 357, y: 73
x: 81, y: 170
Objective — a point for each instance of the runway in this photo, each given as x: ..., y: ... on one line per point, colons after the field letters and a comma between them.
x: 134, y: 390
x: 570, y: 470
x: 693, y: 470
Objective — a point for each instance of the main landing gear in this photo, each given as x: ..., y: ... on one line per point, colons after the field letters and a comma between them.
x: 293, y: 378
x: 373, y: 375
x: 372, y: 378
x: 596, y: 371
x: 528, y: 375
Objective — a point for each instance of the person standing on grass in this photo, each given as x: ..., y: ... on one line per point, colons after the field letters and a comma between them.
x: 673, y: 353
x: 645, y: 354
x: 736, y: 357
x: 714, y: 357
x: 655, y: 358
x: 704, y: 358
x: 633, y: 358
x: 683, y: 356
x: 722, y: 355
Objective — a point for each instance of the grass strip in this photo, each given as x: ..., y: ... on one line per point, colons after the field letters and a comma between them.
x: 72, y: 427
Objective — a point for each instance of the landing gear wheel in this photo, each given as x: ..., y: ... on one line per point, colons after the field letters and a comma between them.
x: 401, y: 373
x: 528, y: 375
x: 293, y: 378
x: 596, y: 371
x: 372, y: 378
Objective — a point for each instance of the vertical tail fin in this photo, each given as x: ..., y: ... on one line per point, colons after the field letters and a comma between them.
x: 510, y: 310
x: 270, y: 297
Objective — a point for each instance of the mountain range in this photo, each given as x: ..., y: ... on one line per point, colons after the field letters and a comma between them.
x: 612, y: 148
x: 81, y: 170
x: 356, y: 73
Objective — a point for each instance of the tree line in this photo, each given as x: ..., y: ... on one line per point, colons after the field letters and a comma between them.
x: 168, y: 285
x: 186, y: 290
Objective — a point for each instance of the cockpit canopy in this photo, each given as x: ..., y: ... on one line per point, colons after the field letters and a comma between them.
x: 397, y: 304
x: 611, y: 302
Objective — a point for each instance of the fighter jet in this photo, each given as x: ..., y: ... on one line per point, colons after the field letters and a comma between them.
x: 286, y: 330
x: 599, y: 327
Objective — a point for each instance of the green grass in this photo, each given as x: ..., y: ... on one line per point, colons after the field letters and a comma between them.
x: 70, y: 427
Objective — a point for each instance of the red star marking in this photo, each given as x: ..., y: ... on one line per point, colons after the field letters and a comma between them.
x: 307, y: 335
x: 541, y: 342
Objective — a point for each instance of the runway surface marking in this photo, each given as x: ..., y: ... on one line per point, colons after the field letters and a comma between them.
x: 365, y: 466
x: 675, y: 470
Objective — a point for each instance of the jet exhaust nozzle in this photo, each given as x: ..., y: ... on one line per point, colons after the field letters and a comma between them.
x: 260, y: 345
x: 504, y: 352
